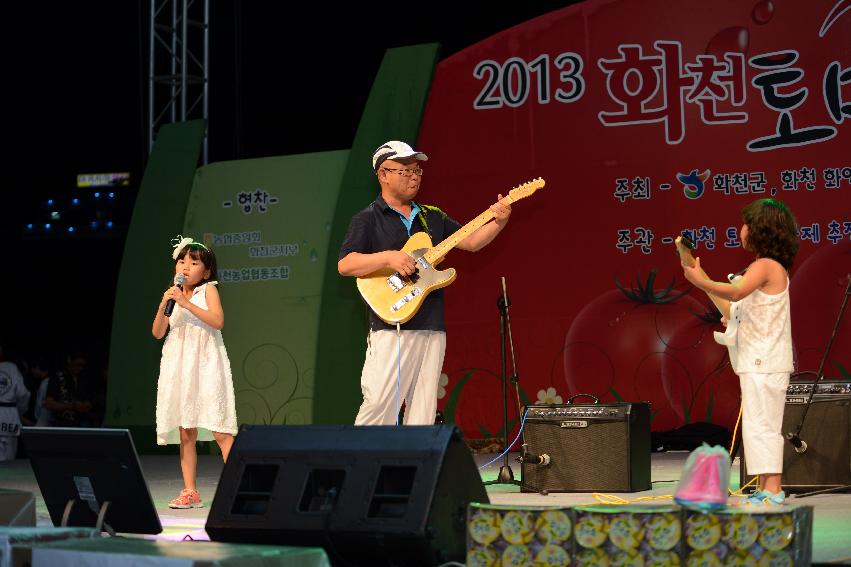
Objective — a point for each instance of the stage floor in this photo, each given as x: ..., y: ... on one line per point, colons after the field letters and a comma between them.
x: 831, y: 530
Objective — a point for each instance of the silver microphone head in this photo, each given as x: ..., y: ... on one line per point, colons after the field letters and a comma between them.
x: 179, y: 279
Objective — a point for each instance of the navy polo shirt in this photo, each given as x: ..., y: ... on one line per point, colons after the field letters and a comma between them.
x: 379, y: 227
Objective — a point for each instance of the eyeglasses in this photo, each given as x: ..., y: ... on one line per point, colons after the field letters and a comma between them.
x: 405, y: 172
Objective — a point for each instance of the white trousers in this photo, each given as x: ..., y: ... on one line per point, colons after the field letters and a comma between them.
x: 763, y: 400
x: 385, y: 385
x: 8, y: 447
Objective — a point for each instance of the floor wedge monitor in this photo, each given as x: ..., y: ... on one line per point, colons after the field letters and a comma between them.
x: 376, y: 495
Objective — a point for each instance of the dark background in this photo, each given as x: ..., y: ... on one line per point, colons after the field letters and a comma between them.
x: 285, y: 78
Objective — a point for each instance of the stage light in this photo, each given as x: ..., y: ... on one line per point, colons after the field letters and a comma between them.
x: 75, y: 201
x: 108, y: 224
x: 70, y: 229
x: 54, y: 215
x: 94, y: 224
x: 50, y: 201
x: 47, y: 226
x: 97, y: 194
x: 111, y: 194
x: 29, y: 226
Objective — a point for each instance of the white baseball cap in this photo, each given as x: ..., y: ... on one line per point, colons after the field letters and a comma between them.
x: 395, y: 150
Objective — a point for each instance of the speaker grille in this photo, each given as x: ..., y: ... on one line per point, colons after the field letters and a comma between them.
x: 827, y: 431
x: 826, y: 460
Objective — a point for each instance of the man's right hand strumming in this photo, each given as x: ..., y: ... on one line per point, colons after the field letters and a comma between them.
x: 399, y: 261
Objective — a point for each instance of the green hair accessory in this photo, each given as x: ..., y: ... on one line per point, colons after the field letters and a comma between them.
x: 776, y: 203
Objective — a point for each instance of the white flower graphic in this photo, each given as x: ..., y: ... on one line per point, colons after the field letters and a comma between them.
x: 441, y: 385
x: 548, y: 396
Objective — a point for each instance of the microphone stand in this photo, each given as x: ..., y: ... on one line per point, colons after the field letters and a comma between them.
x: 794, y: 437
x: 506, y: 475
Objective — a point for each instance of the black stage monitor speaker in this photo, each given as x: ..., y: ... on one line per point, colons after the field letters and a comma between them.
x: 17, y: 508
x: 91, y: 478
x: 381, y: 495
x: 590, y: 448
x: 826, y: 462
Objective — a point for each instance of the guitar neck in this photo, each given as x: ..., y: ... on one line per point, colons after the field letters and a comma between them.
x: 721, y: 304
x: 438, y: 252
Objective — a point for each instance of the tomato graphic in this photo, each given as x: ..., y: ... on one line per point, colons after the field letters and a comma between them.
x: 698, y: 379
x: 617, y: 345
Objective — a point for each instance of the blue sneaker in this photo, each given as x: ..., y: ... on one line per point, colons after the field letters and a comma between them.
x: 764, y: 498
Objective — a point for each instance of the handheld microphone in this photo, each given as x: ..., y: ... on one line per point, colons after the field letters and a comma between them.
x: 799, y: 444
x: 169, y: 305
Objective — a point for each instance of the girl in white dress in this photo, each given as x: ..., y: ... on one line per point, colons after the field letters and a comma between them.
x: 762, y: 357
x: 195, y: 400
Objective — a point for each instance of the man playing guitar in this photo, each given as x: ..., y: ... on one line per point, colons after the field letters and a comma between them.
x: 404, y: 364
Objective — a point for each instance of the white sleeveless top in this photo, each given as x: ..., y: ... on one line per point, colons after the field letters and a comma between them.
x: 764, y: 338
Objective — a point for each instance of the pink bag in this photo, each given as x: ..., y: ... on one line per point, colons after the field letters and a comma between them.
x: 705, y: 478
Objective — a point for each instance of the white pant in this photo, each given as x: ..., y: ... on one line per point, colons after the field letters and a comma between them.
x: 421, y: 362
x: 763, y: 400
x: 8, y: 447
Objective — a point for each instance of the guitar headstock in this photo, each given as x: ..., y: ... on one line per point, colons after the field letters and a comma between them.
x: 684, y: 247
x: 526, y: 189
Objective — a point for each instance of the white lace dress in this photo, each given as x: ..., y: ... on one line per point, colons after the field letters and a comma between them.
x: 195, y: 389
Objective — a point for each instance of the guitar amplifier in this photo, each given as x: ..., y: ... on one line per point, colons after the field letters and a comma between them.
x: 826, y: 463
x: 591, y: 448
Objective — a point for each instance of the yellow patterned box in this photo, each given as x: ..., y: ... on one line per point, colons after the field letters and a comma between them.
x: 756, y: 536
x: 634, y: 535
x: 514, y: 535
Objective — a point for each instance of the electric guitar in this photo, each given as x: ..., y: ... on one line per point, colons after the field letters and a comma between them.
x: 396, y: 298
x: 729, y: 309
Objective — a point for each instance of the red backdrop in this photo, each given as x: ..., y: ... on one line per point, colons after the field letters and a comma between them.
x: 646, y: 119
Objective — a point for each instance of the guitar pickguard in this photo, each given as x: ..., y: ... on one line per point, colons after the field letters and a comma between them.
x: 424, y: 277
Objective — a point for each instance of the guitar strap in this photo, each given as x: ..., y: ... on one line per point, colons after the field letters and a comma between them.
x: 423, y: 221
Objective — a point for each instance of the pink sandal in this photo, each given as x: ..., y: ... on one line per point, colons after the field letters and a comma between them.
x: 187, y: 499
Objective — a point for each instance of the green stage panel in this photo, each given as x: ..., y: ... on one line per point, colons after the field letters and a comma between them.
x: 268, y: 221
x: 146, y: 270
x: 393, y: 112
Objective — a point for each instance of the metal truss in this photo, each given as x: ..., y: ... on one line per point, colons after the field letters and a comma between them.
x: 178, y: 64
